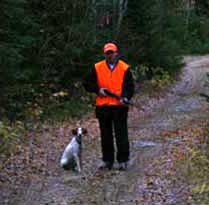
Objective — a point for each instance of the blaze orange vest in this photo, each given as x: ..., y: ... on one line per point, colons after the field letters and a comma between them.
x: 112, y: 80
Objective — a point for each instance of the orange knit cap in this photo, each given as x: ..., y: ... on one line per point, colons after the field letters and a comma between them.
x: 110, y: 47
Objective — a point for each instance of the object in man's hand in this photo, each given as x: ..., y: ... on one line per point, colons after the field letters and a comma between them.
x: 123, y: 100
x: 102, y: 92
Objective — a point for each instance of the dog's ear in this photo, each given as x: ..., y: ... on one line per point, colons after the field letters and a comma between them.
x: 74, y: 131
x: 84, y: 131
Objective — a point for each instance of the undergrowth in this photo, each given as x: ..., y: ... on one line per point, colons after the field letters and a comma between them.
x: 199, y: 173
x: 11, y: 136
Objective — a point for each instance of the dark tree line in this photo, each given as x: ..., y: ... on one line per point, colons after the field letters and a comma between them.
x: 46, y: 46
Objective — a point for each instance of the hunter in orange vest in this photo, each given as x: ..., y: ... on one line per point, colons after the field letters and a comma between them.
x: 114, y: 75
x: 112, y: 80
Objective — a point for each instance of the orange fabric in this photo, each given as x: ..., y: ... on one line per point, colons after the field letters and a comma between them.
x: 110, y: 47
x: 112, y: 80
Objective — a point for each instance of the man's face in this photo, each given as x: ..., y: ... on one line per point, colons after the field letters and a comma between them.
x: 110, y: 56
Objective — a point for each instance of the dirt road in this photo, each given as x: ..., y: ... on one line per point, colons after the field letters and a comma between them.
x: 152, y: 177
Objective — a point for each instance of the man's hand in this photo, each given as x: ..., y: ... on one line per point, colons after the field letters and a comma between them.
x: 102, y: 92
x: 124, y: 101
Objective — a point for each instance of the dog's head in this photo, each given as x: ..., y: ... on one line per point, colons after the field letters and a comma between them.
x: 78, y: 133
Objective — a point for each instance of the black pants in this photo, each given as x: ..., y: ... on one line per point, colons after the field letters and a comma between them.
x: 113, y: 124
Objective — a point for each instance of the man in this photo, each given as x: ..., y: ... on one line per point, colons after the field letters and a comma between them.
x: 114, y: 75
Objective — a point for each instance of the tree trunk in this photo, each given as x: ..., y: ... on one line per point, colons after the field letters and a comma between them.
x: 121, y: 9
x: 188, y: 14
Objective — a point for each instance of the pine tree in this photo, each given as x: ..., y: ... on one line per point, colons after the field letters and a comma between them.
x: 148, y: 27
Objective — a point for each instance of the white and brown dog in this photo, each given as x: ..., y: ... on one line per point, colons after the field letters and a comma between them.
x: 71, y: 156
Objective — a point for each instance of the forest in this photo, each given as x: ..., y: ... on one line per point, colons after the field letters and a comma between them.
x: 46, y: 50
x: 47, y: 47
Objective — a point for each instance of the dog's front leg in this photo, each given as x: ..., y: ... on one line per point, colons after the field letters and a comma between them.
x: 78, y: 162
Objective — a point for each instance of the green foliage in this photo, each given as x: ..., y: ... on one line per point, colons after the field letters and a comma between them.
x: 10, y: 136
x: 149, y: 30
x: 160, y: 78
x: 75, y: 108
x: 197, y: 163
x: 202, y: 7
x: 57, y: 42
x: 67, y: 31
x: 51, y: 101
x: 198, y: 173
x: 42, y: 42
x: 195, y: 24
